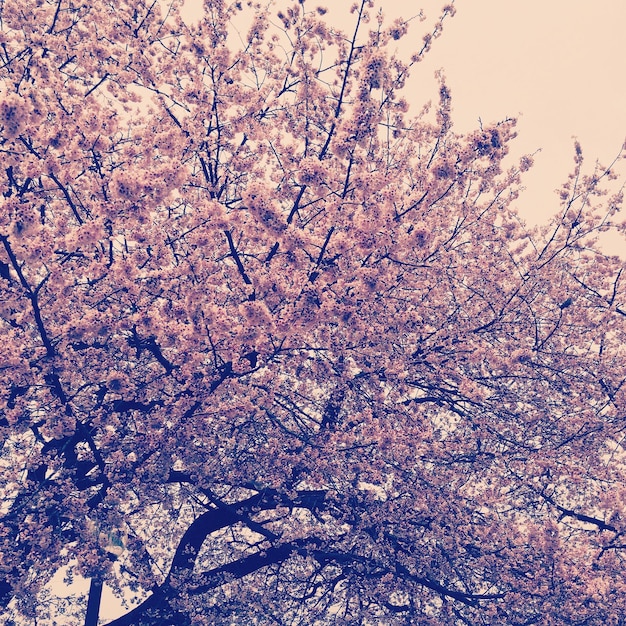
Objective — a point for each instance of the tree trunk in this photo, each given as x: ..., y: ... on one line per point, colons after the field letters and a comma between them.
x: 93, y: 604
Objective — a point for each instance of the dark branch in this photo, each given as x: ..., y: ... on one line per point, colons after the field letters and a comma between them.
x: 235, y: 255
x: 32, y: 295
x: 68, y: 198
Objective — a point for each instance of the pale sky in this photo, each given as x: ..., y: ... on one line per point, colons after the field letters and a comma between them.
x: 557, y: 65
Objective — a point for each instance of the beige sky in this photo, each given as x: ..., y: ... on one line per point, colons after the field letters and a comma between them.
x: 558, y: 65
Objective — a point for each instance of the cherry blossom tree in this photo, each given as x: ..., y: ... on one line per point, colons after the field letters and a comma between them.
x: 276, y: 352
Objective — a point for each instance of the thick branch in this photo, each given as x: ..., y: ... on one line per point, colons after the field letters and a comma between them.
x: 191, y: 542
x: 181, y: 571
x: 581, y: 517
x: 93, y: 604
x: 68, y: 198
x: 235, y: 255
x: 32, y: 295
x: 296, y: 204
x: 314, y: 274
x: 140, y: 344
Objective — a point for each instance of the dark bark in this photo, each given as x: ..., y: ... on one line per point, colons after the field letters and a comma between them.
x: 93, y: 603
x: 157, y: 609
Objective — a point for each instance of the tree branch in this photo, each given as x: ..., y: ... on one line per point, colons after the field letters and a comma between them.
x: 235, y: 255
x: 32, y: 295
x: 68, y: 198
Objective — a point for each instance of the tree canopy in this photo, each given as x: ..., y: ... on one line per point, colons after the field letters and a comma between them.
x: 276, y: 350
